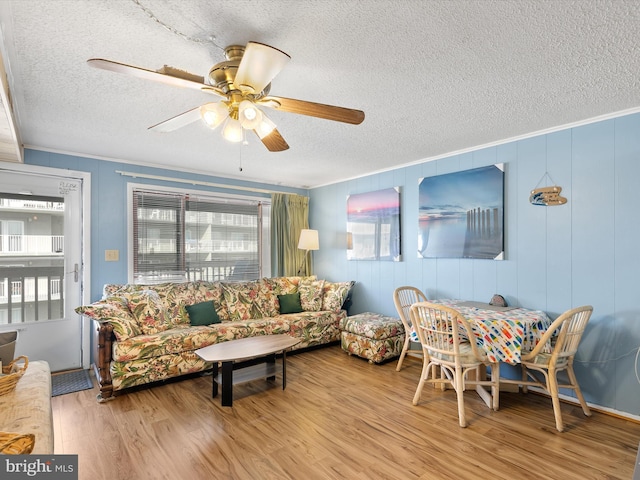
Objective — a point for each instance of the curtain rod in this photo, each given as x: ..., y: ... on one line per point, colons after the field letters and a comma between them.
x: 198, y: 182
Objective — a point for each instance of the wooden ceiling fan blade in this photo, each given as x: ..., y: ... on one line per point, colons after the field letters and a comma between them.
x: 274, y: 141
x: 259, y: 65
x: 319, y: 110
x: 167, y: 75
x: 179, y: 121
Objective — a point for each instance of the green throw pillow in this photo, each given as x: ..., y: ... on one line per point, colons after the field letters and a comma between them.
x: 202, y: 313
x: 290, y: 303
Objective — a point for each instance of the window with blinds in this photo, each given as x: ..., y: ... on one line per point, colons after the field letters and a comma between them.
x: 180, y: 236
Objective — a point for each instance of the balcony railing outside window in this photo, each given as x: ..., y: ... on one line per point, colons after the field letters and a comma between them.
x: 31, y: 205
x: 31, y: 294
x: 32, y: 244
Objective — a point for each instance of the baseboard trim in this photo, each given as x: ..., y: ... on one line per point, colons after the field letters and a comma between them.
x: 596, y: 408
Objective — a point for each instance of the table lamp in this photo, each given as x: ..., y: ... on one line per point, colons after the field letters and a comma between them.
x: 308, y: 241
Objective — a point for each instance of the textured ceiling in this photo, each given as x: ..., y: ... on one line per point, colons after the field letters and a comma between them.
x: 432, y: 77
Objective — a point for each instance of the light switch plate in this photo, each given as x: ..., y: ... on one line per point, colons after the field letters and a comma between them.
x: 111, y: 255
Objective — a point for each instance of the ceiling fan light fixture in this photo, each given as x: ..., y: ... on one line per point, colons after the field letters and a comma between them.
x: 246, y: 75
x: 213, y: 114
x: 265, y: 127
x: 259, y: 65
x: 249, y: 115
x: 232, y: 130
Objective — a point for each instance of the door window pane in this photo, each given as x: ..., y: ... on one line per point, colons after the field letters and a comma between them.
x: 31, y: 258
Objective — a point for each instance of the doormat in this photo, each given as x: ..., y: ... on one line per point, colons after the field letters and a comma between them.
x: 70, y: 382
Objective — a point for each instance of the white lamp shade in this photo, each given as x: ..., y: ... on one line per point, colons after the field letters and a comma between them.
x: 259, y: 65
x: 265, y: 127
x: 249, y: 115
x: 232, y: 130
x: 308, y: 240
x: 213, y: 114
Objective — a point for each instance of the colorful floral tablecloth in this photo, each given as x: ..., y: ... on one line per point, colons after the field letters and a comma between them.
x: 503, y: 335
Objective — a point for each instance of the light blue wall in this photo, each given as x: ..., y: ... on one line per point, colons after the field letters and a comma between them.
x: 109, y: 205
x: 557, y: 258
x: 584, y: 252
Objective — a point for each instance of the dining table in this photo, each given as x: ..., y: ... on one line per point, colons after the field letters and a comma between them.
x: 502, y: 333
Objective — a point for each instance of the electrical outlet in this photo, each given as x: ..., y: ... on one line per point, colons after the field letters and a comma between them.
x: 111, y: 255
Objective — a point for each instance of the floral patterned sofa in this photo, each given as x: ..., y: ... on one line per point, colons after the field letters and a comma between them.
x: 148, y: 333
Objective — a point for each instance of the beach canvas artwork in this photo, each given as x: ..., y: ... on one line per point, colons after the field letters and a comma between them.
x: 461, y: 214
x: 373, y: 225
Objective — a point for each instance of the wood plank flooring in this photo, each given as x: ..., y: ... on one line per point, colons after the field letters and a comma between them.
x: 339, y: 418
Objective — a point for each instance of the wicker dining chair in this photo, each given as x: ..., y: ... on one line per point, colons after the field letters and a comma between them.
x: 403, y: 298
x: 439, y: 329
x: 540, y: 369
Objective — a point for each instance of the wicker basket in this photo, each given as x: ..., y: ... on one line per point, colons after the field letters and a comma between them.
x: 12, y: 373
x: 16, y: 443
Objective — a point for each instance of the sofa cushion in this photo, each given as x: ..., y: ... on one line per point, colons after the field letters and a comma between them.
x: 171, y: 294
x: 290, y: 303
x: 110, y: 289
x: 142, y: 371
x: 116, y: 310
x: 283, y: 285
x: 286, y: 285
x: 167, y: 342
x: 149, y: 311
x: 268, y: 298
x: 185, y: 338
x: 129, y: 289
x: 243, y: 300
x: 189, y: 293
x: 174, y: 298
x: 201, y: 291
x: 314, y: 328
x: 203, y: 313
x: 335, y: 294
x: 311, y: 293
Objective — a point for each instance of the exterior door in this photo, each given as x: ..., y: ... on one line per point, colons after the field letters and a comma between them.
x: 41, y: 232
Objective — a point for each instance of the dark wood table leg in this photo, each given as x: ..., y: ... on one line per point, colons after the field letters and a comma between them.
x: 284, y: 369
x: 271, y: 360
x: 215, y: 380
x: 227, y: 384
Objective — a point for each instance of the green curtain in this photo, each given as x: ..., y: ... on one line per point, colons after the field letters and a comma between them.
x: 289, y: 215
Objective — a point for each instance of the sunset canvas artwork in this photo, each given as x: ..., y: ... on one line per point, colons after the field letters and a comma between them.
x: 373, y: 223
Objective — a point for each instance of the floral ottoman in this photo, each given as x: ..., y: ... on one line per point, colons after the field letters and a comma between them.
x: 372, y: 336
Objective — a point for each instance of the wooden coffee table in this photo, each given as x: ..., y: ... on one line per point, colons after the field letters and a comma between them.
x: 251, y: 358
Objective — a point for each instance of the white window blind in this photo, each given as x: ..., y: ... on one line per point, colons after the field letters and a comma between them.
x: 158, y: 226
x: 194, y: 237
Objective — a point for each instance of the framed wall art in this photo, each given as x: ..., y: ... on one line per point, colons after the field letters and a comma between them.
x: 461, y: 214
x: 373, y: 225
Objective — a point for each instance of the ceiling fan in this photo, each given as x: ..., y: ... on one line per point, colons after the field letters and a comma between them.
x: 243, y: 82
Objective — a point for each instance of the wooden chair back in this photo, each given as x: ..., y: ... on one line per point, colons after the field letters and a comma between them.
x: 441, y: 331
x: 564, y: 336
x: 403, y: 298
